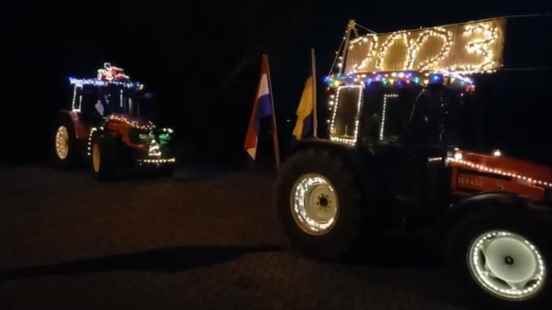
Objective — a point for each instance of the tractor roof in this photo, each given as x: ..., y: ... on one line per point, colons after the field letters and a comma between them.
x: 128, y: 84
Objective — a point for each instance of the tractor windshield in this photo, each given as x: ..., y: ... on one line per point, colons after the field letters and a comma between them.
x: 99, y: 102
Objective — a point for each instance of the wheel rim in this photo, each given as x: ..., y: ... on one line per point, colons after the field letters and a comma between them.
x: 314, y: 204
x: 62, y: 142
x: 507, y: 265
x: 96, y: 157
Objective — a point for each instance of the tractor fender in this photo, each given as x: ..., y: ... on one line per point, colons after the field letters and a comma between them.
x: 80, y: 128
x: 499, y: 204
x: 350, y: 153
x: 358, y: 160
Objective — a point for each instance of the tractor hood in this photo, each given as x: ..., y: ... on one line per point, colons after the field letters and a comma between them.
x: 489, y: 173
x: 131, y: 121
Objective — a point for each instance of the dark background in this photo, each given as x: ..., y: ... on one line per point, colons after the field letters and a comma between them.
x: 201, y: 58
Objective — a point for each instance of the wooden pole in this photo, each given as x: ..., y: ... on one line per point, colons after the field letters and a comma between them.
x: 314, y: 95
x: 275, y: 139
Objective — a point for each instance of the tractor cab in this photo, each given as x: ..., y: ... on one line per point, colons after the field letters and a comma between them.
x: 96, y: 99
x: 407, y: 122
x: 399, y: 109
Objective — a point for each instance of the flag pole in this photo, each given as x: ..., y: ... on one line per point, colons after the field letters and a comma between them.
x: 274, y: 122
x: 314, y: 94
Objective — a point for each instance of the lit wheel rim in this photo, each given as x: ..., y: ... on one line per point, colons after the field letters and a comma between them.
x: 62, y: 142
x: 314, y: 204
x: 507, y: 265
x: 96, y: 157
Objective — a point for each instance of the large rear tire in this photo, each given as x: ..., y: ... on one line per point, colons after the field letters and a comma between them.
x: 502, y: 260
x: 64, y: 144
x: 319, y: 203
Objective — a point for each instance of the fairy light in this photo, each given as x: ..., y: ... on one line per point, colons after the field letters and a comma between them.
x: 483, y: 241
x: 349, y: 141
x: 142, y: 162
x: 414, y: 48
x: 481, y: 47
x: 103, y: 83
x: 402, y: 78
x: 89, y: 144
x: 154, y: 149
x: 371, y: 55
x: 483, y: 168
x: 459, y: 43
x: 148, y: 126
x: 386, y: 97
x: 395, y: 36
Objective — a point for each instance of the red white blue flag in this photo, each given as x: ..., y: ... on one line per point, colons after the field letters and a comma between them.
x: 262, y: 107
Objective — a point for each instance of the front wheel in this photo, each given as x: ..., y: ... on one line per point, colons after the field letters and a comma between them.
x: 318, y: 202
x: 505, y: 263
x: 102, y: 158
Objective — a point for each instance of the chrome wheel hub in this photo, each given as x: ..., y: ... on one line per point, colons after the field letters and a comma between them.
x: 62, y: 142
x: 507, y: 265
x: 314, y: 204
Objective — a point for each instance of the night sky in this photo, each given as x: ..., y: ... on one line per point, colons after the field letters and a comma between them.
x: 201, y: 60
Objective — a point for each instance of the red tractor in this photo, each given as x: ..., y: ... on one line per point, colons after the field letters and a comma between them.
x: 394, y: 162
x: 107, y: 126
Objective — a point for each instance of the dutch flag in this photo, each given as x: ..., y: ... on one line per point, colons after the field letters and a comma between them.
x: 262, y: 107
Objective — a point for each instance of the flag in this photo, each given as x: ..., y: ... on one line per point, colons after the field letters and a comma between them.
x: 262, y: 107
x: 305, y: 115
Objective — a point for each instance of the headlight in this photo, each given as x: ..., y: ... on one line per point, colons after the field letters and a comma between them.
x: 165, y: 135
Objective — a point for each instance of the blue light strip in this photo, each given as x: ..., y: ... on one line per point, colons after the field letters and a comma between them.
x: 100, y: 83
x: 402, y: 78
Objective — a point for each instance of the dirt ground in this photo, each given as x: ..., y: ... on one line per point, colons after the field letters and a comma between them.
x: 205, y: 239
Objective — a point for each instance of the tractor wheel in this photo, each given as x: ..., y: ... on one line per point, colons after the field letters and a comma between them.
x: 318, y: 202
x: 503, y: 261
x: 64, y: 150
x: 103, y: 163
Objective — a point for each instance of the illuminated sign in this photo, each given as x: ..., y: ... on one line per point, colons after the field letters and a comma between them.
x: 472, y: 47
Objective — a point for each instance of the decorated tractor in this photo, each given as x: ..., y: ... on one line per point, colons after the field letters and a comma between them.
x: 394, y: 161
x: 108, y: 128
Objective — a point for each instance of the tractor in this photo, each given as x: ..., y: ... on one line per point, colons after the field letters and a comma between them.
x: 396, y: 160
x: 107, y: 127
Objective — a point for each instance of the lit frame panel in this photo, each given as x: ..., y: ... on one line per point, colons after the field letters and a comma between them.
x: 357, y: 117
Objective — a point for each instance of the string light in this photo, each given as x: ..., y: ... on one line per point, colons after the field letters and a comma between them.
x: 439, y: 32
x: 142, y: 162
x: 89, y: 144
x: 386, y: 97
x: 401, y: 79
x: 138, y: 125
x: 512, y: 292
x: 481, y: 47
x: 459, y: 43
x: 104, y: 83
x: 399, y: 35
x: 487, y: 169
x: 154, y: 149
x: 371, y: 54
x: 349, y: 141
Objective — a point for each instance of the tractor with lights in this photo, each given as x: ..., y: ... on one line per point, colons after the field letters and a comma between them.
x: 395, y: 160
x: 108, y: 127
